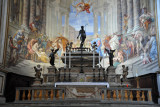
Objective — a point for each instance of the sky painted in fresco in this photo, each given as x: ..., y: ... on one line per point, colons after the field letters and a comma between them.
x: 82, y: 19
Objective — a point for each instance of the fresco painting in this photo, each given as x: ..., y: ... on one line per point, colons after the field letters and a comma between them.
x: 37, y: 26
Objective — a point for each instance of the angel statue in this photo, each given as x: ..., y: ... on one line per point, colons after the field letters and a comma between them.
x: 52, y: 56
x: 111, y: 56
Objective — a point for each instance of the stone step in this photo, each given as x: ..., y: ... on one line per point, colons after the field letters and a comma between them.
x: 80, y: 103
x: 153, y: 66
x: 151, y: 63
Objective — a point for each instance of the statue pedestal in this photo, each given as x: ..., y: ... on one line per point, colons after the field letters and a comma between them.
x: 52, y: 69
x: 51, y: 76
x: 112, y: 77
x: 37, y: 82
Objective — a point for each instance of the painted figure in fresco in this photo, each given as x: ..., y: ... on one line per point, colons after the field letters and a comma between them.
x: 13, y: 52
x: 83, y: 36
x: 19, y: 38
x: 106, y: 42
x: 35, y: 25
x: 61, y: 43
x: 38, y: 70
x: 24, y: 47
x: 153, y: 43
x: 30, y: 50
x: 146, y: 19
x: 98, y: 42
x: 114, y: 42
x: 42, y: 56
x: 138, y: 38
x: 119, y: 59
x: 146, y: 58
x: 111, y: 56
x: 52, y: 56
x: 128, y: 48
x: 82, y: 6
x: 126, y: 17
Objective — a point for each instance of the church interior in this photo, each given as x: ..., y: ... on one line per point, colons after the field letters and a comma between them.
x: 69, y: 53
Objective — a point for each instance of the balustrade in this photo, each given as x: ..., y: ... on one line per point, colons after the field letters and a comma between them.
x: 127, y: 94
x: 39, y: 93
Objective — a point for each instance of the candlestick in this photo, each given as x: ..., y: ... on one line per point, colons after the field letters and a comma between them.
x: 69, y: 60
x: 103, y: 61
x: 43, y: 69
x: 59, y: 62
x: 65, y: 59
x: 93, y: 60
x: 99, y: 59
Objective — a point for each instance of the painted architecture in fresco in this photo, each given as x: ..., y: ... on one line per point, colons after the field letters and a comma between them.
x: 37, y: 26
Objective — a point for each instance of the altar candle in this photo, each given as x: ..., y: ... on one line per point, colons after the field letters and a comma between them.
x: 69, y: 59
x: 43, y: 69
x: 59, y: 61
x: 65, y: 59
x: 99, y: 59
x: 93, y: 60
x: 103, y: 60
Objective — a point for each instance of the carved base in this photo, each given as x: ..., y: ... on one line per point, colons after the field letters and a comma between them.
x: 37, y: 82
x: 52, y: 69
x: 111, y: 70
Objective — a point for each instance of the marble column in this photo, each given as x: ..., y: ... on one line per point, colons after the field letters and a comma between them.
x: 119, y: 17
x: 32, y: 10
x: 20, y: 11
x: 44, y: 16
x: 124, y: 11
x: 111, y: 20
x: 55, y: 23
x: 95, y: 23
x: 47, y: 19
x: 106, y: 23
x: 130, y: 14
x: 38, y: 7
x: 56, y: 20
x: 59, y: 22
x: 50, y: 24
x: 11, y: 10
x: 151, y: 2
x: 25, y: 13
x: 66, y: 25
x: 109, y: 23
x: 136, y: 6
x: 102, y: 24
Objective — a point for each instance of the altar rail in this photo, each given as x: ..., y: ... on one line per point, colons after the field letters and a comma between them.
x: 127, y: 94
x: 39, y: 94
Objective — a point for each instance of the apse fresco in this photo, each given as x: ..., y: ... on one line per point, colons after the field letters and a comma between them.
x: 37, y: 26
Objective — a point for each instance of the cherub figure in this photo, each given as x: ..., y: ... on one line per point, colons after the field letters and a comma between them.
x: 125, y: 73
x: 82, y: 6
x: 38, y: 70
x: 52, y: 56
